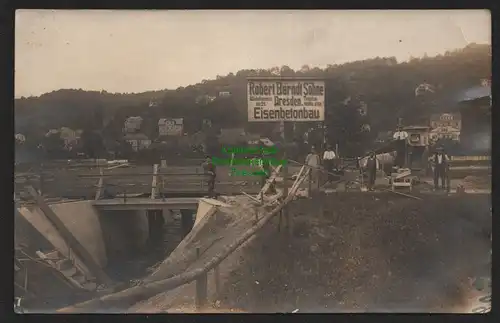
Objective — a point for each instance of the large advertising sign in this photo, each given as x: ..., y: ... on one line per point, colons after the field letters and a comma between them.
x: 286, y: 100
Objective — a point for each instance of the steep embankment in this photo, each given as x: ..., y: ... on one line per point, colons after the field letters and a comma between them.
x: 368, y: 252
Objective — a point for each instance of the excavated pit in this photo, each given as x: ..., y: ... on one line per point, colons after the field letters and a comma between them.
x: 135, y: 247
x: 366, y: 252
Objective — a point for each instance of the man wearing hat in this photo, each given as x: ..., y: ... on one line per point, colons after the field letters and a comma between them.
x: 372, y: 164
x: 313, y: 161
x: 400, y: 137
x: 440, y: 162
x: 209, y: 169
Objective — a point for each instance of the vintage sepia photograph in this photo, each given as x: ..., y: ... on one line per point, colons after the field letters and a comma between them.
x: 252, y: 161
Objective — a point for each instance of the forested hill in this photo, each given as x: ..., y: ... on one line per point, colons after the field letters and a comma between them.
x: 386, y: 86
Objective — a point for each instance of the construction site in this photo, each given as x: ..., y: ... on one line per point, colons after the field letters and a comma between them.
x: 284, y: 247
x: 375, y: 233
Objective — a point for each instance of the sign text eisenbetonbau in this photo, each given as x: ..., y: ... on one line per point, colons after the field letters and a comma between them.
x: 278, y: 100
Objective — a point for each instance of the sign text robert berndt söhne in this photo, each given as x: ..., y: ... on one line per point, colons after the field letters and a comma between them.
x: 286, y: 100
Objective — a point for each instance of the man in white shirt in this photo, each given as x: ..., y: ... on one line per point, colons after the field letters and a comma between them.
x: 400, y: 137
x: 440, y: 163
x: 329, y: 161
x: 400, y: 134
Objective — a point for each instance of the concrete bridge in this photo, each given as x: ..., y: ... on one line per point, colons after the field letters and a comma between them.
x: 136, y: 204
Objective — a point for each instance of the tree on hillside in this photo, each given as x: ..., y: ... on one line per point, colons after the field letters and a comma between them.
x: 388, y: 87
x: 92, y: 143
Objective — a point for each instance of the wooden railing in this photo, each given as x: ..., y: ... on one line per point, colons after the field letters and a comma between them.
x: 158, y: 184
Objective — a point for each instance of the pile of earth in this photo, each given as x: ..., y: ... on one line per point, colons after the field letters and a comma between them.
x: 366, y: 252
x: 479, y: 182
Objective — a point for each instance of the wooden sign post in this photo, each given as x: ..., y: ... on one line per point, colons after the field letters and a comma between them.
x: 285, y: 99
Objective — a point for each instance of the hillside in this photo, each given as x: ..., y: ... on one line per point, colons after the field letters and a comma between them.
x: 388, y: 88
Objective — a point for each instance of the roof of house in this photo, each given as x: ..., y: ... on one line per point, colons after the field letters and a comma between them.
x: 416, y: 128
x: 438, y: 116
x: 135, y: 136
x: 473, y: 93
x: 162, y: 121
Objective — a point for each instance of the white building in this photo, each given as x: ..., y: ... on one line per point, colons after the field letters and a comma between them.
x: 20, y: 138
x: 224, y: 94
x: 170, y: 127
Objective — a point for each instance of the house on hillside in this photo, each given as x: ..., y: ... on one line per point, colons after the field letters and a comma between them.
x: 205, y: 99
x: 20, y: 138
x: 224, y: 94
x: 70, y: 137
x: 445, y: 126
x: 138, y: 141
x: 170, y: 127
x: 132, y: 124
x: 253, y: 139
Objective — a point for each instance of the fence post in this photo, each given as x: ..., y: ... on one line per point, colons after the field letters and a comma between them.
x: 41, y: 179
x: 217, y: 280
x: 201, y: 287
x: 154, y: 183
x: 100, y: 185
x: 310, y: 184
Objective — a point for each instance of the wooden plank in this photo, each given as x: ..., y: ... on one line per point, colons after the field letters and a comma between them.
x: 302, y: 169
x: 70, y: 239
x: 269, y: 181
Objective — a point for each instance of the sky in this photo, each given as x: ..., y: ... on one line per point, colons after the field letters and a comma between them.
x: 137, y: 51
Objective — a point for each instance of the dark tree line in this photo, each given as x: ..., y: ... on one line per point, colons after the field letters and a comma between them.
x: 385, y: 85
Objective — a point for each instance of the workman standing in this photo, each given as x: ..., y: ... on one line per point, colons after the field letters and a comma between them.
x: 329, y: 161
x: 372, y: 164
x: 210, y: 170
x: 312, y: 160
x: 265, y: 165
x: 400, y: 137
x: 440, y: 162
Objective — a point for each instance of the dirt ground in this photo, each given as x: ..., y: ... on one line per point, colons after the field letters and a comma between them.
x: 367, y: 252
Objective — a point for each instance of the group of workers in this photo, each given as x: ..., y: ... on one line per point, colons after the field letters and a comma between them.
x: 438, y: 161
x: 329, y: 163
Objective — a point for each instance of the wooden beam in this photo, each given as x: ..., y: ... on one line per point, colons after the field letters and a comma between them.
x: 70, y: 239
x: 270, y: 181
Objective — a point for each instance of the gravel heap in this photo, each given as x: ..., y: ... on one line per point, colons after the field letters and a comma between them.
x: 478, y: 182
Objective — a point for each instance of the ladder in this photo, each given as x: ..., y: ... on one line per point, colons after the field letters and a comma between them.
x: 74, y: 275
